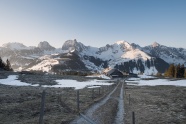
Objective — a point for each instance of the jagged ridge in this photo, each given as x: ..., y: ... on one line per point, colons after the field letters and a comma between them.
x: 75, y: 55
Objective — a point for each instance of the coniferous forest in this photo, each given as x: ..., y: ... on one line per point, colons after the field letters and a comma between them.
x: 5, y: 65
x: 175, y: 71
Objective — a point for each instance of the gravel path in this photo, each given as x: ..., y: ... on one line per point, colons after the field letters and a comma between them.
x: 120, y: 114
x: 89, y: 113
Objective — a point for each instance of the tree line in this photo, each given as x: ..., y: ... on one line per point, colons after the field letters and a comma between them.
x: 176, y: 71
x: 5, y: 65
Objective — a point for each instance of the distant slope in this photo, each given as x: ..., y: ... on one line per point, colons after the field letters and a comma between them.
x: 76, y: 56
x: 22, y: 56
x: 168, y: 54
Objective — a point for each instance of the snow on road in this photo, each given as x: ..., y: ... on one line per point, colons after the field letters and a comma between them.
x: 119, y: 119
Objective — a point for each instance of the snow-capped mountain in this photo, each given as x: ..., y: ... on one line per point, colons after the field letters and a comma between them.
x: 22, y: 56
x: 45, y: 46
x: 76, y: 56
x: 15, y: 46
x: 121, y: 55
x: 168, y: 54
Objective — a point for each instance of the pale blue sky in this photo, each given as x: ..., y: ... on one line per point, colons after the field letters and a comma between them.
x: 93, y: 22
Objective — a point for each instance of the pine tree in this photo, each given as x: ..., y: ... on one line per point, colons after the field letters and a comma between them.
x: 177, y: 73
x: 148, y: 63
x: 171, y: 71
x: 166, y: 73
x: 1, y: 63
x: 8, y: 66
x: 5, y: 66
x: 182, y: 71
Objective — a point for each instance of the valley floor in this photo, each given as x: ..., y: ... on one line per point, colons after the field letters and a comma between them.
x: 151, y: 104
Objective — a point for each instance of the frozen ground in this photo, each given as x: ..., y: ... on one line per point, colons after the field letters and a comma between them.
x: 155, y: 82
x: 12, y: 80
x: 78, y: 85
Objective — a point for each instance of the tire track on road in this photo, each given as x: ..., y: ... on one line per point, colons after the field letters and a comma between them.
x: 119, y: 119
x: 93, y: 108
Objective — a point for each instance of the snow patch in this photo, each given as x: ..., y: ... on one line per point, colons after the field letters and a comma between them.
x: 76, y: 84
x: 45, y: 65
x: 157, y: 82
x: 11, y: 80
x: 135, y: 54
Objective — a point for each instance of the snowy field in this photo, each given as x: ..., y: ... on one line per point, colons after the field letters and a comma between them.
x: 78, y: 85
x: 12, y: 80
x: 155, y: 82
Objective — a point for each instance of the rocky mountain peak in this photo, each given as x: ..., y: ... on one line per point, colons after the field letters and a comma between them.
x: 155, y: 44
x: 124, y: 45
x: 135, y: 46
x: 44, y: 45
x: 73, y: 45
x: 14, y: 46
x: 121, y: 42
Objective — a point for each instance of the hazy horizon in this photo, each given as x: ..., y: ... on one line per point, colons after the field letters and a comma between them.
x: 89, y: 45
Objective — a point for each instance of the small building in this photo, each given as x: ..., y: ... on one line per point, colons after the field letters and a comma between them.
x: 114, y: 73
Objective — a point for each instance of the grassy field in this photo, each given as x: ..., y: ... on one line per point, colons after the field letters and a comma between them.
x: 151, y: 104
x: 156, y: 105
x: 21, y: 105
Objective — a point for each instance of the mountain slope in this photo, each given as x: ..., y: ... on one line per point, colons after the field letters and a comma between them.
x: 111, y: 55
x: 75, y: 56
x: 168, y: 54
x: 22, y: 56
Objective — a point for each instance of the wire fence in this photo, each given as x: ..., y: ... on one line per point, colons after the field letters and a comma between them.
x: 70, y: 102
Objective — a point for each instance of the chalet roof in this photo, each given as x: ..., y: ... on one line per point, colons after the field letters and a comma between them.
x: 111, y: 71
x: 106, y: 70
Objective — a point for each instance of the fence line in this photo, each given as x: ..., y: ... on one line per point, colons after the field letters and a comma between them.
x: 63, y: 99
x: 42, y: 107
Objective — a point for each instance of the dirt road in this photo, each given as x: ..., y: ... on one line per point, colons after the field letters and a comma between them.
x: 106, y: 110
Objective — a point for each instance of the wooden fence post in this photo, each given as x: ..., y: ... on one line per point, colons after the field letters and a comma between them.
x: 77, y: 94
x: 92, y: 93
x: 133, y: 118
x: 42, y: 107
x: 99, y: 90
x: 103, y: 90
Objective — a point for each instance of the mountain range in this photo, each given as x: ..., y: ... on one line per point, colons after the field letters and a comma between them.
x: 75, y: 56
